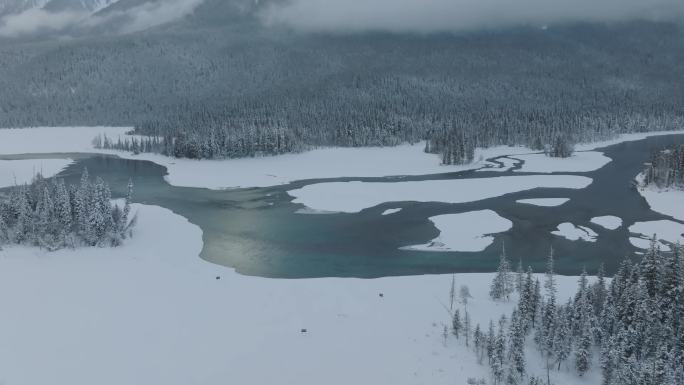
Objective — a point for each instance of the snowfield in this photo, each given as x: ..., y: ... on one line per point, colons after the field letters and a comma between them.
x: 624, y: 138
x: 269, y: 171
x: 572, y: 232
x: 153, y: 312
x: 609, y: 222
x: 250, y: 172
x: 667, y: 202
x: 578, y: 162
x: 544, y: 202
x: 664, y: 230
x: 17, y: 172
x: 54, y: 139
x: 352, y: 197
x: 390, y: 211
x: 465, y: 231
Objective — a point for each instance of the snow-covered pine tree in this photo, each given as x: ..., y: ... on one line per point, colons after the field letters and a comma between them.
x: 456, y: 324
x: 478, y: 342
x: 467, y: 327
x: 452, y: 292
x: 520, y: 277
x: 583, y: 349
x: 517, y: 346
x: 502, y: 284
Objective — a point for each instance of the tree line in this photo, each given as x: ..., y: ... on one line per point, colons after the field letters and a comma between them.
x: 631, y: 328
x: 53, y: 215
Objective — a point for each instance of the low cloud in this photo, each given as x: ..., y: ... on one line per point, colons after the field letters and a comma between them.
x: 37, y: 20
x: 458, y: 15
x: 150, y: 14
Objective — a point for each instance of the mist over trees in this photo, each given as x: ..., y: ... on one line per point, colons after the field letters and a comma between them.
x: 52, y: 215
x: 240, y: 89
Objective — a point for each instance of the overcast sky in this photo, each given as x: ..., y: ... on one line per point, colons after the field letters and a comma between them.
x: 457, y: 15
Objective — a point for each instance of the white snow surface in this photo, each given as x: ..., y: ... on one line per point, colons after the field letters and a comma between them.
x: 390, y: 211
x: 269, y: 171
x: 153, y: 312
x: 574, y: 233
x: 54, y: 139
x: 609, y: 222
x: 351, y: 197
x: 250, y: 172
x: 544, y: 202
x: 665, y: 201
x: 664, y: 230
x: 644, y: 243
x: 17, y: 172
x: 623, y: 138
x: 465, y: 231
x: 578, y: 162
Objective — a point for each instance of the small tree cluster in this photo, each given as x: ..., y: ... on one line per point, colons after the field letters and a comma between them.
x: 560, y: 147
x: 50, y: 214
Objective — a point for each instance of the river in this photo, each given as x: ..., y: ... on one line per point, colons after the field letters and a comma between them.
x: 258, y: 232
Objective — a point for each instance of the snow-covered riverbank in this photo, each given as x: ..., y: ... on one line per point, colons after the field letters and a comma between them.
x: 321, y: 163
x: 17, y: 172
x: 153, y: 312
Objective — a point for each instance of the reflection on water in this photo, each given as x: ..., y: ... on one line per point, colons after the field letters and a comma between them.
x: 257, y: 232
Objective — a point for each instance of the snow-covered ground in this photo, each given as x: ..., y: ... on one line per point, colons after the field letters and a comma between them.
x: 251, y: 172
x: 390, y: 211
x: 623, y: 138
x: 574, y: 233
x: 578, y: 162
x: 644, y: 243
x: 544, y: 202
x: 665, y: 201
x: 609, y: 222
x: 16, y: 172
x: 351, y: 197
x: 54, y: 139
x: 664, y: 230
x: 465, y: 231
x: 153, y: 312
x: 269, y: 171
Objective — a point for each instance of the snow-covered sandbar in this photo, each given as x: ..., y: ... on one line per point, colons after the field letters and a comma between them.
x: 669, y: 231
x: 578, y: 162
x: 351, y: 197
x: 572, y: 232
x: 609, y: 222
x: 665, y: 201
x: 469, y: 231
x: 544, y: 202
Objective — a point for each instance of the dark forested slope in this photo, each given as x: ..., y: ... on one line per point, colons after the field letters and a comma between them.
x: 221, y: 73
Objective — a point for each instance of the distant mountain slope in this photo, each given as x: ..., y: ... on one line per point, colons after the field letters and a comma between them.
x: 78, y: 5
x: 17, y: 6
